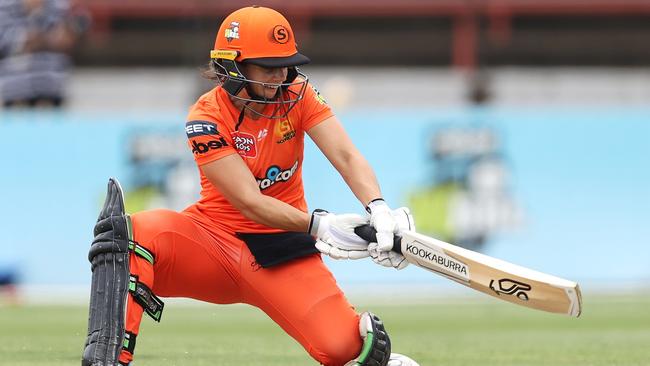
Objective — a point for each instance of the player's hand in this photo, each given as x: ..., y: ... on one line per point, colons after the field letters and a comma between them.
x: 389, y: 258
x: 335, y: 235
x: 384, y: 223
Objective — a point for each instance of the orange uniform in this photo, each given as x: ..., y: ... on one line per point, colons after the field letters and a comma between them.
x: 272, y: 149
x: 197, y: 251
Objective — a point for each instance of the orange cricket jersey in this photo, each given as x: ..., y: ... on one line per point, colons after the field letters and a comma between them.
x: 272, y: 149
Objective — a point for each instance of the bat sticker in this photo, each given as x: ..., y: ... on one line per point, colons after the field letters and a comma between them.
x: 511, y: 287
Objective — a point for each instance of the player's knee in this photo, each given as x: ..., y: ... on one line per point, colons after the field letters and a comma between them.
x: 338, y: 344
x: 338, y: 351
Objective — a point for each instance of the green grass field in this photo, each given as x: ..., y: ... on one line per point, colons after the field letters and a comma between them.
x: 611, y: 331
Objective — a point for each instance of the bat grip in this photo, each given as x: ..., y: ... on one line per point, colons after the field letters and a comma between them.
x: 369, y: 234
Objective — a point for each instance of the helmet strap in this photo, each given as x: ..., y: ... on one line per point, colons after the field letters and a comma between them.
x: 254, y: 96
x: 241, y: 117
x: 233, y: 84
x: 292, y: 74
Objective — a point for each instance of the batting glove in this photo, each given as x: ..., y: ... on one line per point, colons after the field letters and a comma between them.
x: 383, y: 222
x: 389, y: 258
x: 335, y: 235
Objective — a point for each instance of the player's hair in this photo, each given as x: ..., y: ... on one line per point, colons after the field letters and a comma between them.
x: 209, y: 71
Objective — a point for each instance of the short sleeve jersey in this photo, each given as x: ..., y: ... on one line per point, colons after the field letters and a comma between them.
x: 271, y: 148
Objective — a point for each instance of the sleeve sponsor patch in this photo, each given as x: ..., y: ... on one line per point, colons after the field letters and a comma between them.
x: 200, y: 128
x: 204, y: 147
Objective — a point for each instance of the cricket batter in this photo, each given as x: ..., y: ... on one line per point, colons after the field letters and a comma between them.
x: 249, y: 239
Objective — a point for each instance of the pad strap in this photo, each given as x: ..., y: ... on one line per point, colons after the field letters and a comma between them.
x: 151, y: 303
x: 129, y: 342
x: 135, y: 247
x: 142, y: 252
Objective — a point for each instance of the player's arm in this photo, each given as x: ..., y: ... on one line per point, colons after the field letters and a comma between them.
x: 334, y: 142
x: 233, y: 179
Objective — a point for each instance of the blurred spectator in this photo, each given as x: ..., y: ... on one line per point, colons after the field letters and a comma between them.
x: 36, y: 38
x: 8, y: 286
x: 480, y: 92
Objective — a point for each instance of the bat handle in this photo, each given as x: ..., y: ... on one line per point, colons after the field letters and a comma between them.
x: 368, y: 233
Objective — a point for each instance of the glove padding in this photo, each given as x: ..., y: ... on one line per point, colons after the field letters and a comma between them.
x: 384, y: 223
x: 335, y: 235
x: 389, y: 258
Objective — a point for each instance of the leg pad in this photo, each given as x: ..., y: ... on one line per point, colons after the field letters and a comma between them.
x: 109, y: 258
x: 376, y: 343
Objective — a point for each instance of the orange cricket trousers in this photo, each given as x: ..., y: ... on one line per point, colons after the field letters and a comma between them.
x: 209, y: 265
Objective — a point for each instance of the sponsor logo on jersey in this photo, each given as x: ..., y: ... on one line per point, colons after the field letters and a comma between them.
x: 245, y: 144
x: 317, y: 96
x: 284, y: 131
x: 200, y: 128
x: 262, y: 134
x: 275, y: 174
x: 204, y: 147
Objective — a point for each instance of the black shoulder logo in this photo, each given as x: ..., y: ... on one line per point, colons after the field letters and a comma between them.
x: 200, y: 128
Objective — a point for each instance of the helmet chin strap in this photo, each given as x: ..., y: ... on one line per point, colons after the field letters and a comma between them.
x: 241, y: 117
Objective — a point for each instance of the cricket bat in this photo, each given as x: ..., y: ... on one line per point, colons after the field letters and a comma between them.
x: 495, y: 277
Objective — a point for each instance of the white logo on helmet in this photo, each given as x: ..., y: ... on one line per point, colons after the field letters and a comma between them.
x: 232, y: 32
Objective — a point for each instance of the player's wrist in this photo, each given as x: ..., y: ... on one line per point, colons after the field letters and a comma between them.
x: 317, y: 221
x: 376, y: 204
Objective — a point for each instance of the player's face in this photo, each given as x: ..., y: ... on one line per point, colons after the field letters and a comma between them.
x: 275, y: 75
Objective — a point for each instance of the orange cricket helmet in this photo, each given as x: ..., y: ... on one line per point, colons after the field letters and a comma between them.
x: 263, y: 37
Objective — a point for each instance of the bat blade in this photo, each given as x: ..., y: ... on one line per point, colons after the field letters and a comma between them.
x: 495, y: 277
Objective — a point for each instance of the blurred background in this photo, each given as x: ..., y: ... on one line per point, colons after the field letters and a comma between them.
x: 520, y: 129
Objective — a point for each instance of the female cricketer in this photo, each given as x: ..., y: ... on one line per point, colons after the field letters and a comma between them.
x: 249, y: 239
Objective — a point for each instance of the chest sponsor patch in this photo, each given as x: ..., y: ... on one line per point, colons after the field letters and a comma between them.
x: 200, y: 128
x: 245, y: 144
x: 284, y: 131
x: 275, y: 174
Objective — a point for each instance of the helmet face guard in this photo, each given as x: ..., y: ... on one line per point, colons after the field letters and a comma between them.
x: 288, y: 94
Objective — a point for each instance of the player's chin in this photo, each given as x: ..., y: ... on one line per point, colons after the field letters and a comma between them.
x: 271, y: 93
